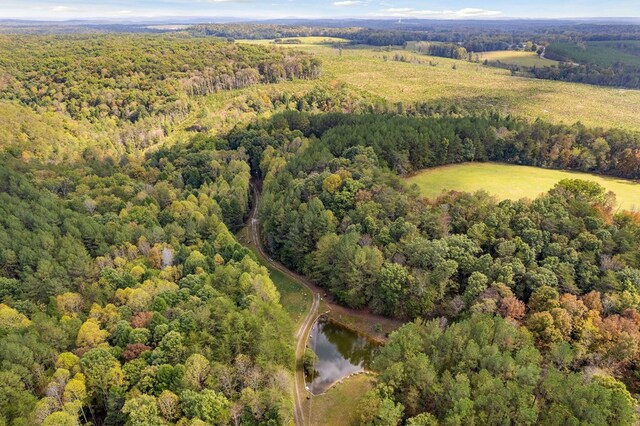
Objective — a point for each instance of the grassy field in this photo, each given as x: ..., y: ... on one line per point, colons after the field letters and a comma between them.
x: 305, y: 41
x: 294, y: 298
x: 475, y: 86
x: 511, y: 57
x: 339, y: 406
x: 605, y: 53
x: 514, y: 182
x: 482, y: 88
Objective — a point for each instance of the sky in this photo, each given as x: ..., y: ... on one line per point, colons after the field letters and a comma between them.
x: 269, y: 9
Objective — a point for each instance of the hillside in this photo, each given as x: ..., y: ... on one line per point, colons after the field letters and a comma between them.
x: 476, y: 87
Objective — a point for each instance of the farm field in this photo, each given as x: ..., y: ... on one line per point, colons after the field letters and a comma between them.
x: 474, y: 86
x: 511, y: 57
x: 604, y: 53
x: 507, y: 181
x: 305, y: 41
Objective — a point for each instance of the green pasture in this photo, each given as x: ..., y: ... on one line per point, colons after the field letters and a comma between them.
x: 519, y: 58
x: 604, y: 53
x: 507, y: 181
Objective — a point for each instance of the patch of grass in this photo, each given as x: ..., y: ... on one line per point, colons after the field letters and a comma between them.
x: 294, y: 298
x: 604, y: 53
x: 511, y: 57
x: 474, y: 86
x: 376, y: 328
x: 339, y: 405
x: 507, y: 181
x: 480, y: 88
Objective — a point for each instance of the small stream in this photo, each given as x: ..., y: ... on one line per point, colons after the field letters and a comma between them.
x: 341, y: 352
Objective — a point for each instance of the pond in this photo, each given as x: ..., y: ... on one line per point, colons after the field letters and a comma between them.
x: 340, y: 351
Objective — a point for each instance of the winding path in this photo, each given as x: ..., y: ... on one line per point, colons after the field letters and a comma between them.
x: 303, y: 331
x: 305, y: 328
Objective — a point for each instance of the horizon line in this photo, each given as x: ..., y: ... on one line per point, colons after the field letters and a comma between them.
x: 310, y: 18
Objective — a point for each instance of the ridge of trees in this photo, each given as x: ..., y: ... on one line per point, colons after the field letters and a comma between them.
x: 130, y: 77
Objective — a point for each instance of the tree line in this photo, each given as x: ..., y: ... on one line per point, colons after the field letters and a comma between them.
x: 444, y: 50
x: 619, y: 75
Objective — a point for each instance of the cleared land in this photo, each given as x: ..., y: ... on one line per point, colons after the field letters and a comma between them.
x: 304, y: 41
x: 605, y: 53
x: 511, y: 57
x: 482, y: 88
x: 477, y: 87
x: 339, y: 406
x: 507, y: 181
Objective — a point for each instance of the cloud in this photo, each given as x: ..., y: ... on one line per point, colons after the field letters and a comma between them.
x: 407, y: 12
x: 63, y: 9
x: 347, y: 3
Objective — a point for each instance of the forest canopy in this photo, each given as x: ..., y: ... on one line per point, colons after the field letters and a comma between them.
x: 126, y: 298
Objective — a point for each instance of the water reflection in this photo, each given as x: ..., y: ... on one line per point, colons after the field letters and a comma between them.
x: 340, y: 352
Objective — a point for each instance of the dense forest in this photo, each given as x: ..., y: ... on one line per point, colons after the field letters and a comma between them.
x: 127, y: 91
x: 565, y: 266
x: 130, y: 78
x: 619, y: 75
x: 374, y: 35
x: 472, y: 35
x: 124, y: 297
x: 487, y: 370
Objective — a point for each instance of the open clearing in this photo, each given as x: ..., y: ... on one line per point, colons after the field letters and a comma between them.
x: 507, y: 181
x: 511, y: 57
x: 604, y: 53
x: 308, y: 41
x: 477, y: 87
x: 481, y: 88
x: 339, y: 405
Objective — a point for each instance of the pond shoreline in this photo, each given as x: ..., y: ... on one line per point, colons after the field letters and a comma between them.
x: 341, y: 352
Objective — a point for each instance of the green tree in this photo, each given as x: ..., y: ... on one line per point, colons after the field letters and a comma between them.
x: 207, y: 405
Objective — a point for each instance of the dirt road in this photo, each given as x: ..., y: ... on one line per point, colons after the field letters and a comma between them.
x: 303, y: 331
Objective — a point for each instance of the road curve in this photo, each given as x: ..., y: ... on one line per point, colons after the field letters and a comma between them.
x: 305, y: 328
x: 302, y: 334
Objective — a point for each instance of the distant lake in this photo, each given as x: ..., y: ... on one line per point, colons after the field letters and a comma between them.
x: 340, y: 352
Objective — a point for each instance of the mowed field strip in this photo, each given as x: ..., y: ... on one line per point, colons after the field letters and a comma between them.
x: 511, y: 57
x: 507, y: 181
